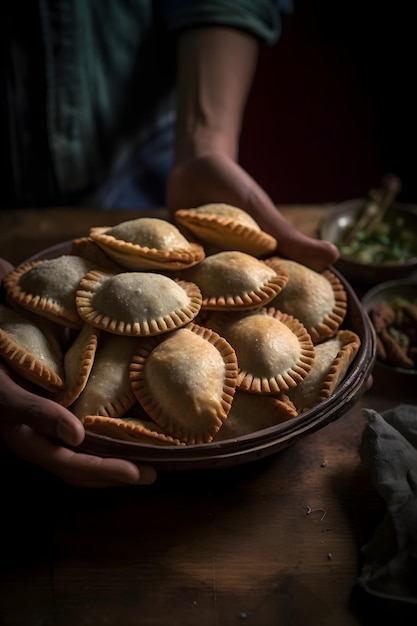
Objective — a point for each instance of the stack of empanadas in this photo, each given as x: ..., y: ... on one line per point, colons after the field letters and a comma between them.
x: 178, y: 333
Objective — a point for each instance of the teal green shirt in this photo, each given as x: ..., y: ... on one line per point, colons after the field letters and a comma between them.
x: 109, y: 76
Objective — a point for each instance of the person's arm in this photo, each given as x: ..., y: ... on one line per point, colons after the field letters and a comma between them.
x: 215, y: 70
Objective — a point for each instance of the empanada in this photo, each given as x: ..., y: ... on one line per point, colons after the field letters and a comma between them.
x: 78, y: 362
x: 220, y: 226
x: 136, y: 303
x: 318, y: 300
x: 274, y: 350
x: 147, y: 243
x: 129, y: 429
x: 29, y: 351
x: 333, y: 357
x: 253, y: 412
x: 233, y: 280
x: 48, y: 287
x: 108, y: 391
x: 185, y: 380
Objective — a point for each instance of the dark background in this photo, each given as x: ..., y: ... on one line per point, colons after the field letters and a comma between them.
x: 333, y: 106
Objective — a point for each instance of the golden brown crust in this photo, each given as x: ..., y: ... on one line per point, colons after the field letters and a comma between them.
x: 164, y: 361
x: 48, y: 287
x: 29, y: 351
x: 224, y: 227
x: 108, y: 391
x: 333, y: 357
x: 251, y: 413
x: 78, y: 363
x: 89, y: 249
x: 186, y: 381
x: 274, y: 350
x: 129, y: 429
x: 232, y: 280
x: 147, y: 243
x: 136, y: 303
x: 318, y: 300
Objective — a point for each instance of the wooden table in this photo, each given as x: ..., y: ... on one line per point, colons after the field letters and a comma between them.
x: 270, y: 543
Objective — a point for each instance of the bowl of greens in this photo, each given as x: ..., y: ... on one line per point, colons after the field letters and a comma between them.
x: 387, y: 251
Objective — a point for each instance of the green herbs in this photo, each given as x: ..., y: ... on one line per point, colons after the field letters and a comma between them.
x: 388, y: 243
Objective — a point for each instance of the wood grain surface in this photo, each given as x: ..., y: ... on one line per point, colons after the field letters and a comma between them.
x: 271, y: 543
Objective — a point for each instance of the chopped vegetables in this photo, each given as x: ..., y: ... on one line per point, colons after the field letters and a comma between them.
x: 388, y: 243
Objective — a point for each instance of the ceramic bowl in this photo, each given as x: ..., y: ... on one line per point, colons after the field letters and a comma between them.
x: 341, y: 217
x: 263, y: 443
x: 392, y: 291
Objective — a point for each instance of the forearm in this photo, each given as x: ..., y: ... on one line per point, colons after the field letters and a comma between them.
x: 215, y: 68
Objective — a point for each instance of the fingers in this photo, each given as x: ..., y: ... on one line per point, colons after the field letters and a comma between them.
x: 25, y: 420
x: 217, y: 178
x: 19, y: 406
x: 75, y: 468
x: 314, y: 253
x: 292, y: 243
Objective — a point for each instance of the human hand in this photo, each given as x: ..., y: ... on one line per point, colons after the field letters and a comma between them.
x: 35, y: 428
x: 216, y: 177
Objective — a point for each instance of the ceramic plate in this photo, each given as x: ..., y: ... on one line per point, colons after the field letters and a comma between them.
x: 262, y: 443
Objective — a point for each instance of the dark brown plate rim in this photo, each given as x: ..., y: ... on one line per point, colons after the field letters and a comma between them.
x: 259, y: 444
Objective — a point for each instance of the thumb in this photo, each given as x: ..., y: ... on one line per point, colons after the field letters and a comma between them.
x: 20, y: 406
